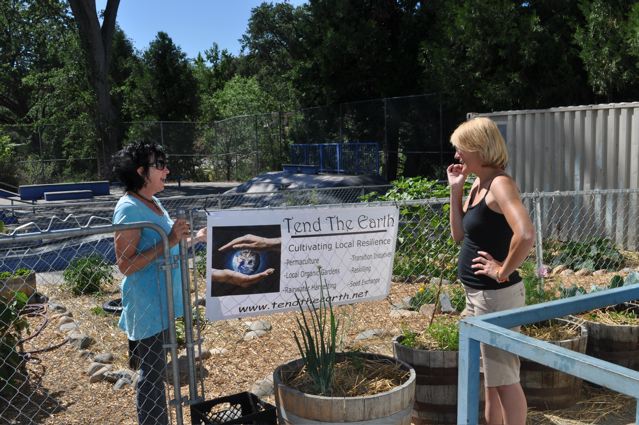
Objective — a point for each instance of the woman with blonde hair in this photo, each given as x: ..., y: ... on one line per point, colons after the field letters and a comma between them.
x: 496, y: 234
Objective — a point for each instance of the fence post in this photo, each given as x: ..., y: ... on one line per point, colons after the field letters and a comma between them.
x: 257, y: 149
x: 188, y: 314
x: 386, y: 170
x: 539, y: 250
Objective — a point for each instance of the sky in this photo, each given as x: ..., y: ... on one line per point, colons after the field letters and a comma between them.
x: 193, y: 25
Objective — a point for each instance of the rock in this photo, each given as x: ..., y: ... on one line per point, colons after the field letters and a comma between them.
x: 404, y: 303
x: 121, y: 383
x: 68, y: 327
x: 57, y: 308
x: 84, y: 354
x: 558, y: 269
x: 567, y: 272
x: 445, y: 304
x: 626, y: 270
x: 253, y: 335
x: 219, y: 351
x: 64, y: 320
x: 435, y: 281
x: 56, y: 316
x: 94, y: 367
x: 583, y: 272
x: 427, y: 310
x: 421, y: 279
x: 263, y: 387
x: 599, y: 272
x: 399, y: 313
x: 80, y: 340
x: 114, y: 377
x: 368, y: 334
x: 259, y: 325
x: 104, y: 358
x: 99, y: 374
x: 204, y: 355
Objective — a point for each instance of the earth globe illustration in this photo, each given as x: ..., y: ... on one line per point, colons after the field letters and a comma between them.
x: 245, y: 261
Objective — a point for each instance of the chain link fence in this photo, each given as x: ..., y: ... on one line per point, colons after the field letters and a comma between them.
x: 46, y: 379
x: 408, y: 130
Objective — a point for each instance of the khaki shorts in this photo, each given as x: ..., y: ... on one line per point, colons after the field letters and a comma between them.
x: 500, y: 367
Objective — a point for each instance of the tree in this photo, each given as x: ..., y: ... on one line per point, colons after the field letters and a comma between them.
x: 240, y: 102
x: 273, y: 44
x: 96, y: 45
x: 606, y: 48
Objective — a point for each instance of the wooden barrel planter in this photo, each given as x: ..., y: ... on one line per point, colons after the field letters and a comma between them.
x: 389, y: 408
x: 436, y: 389
x: 617, y: 344
x: 550, y: 389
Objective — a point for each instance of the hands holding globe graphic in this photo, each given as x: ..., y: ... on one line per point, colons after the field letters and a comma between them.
x: 246, y: 260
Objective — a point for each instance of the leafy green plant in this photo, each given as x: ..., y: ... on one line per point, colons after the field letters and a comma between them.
x: 200, y: 263
x: 22, y: 272
x: 426, y: 294
x: 98, y: 311
x: 442, y: 334
x: 317, y: 340
x: 592, y: 254
x: 445, y: 333
x: 87, y: 275
x: 457, y: 297
x: 424, y: 243
x: 11, y: 327
x: 535, y: 292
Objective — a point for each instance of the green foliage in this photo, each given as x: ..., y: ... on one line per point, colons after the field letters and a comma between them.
x: 87, y: 275
x: 11, y: 327
x: 608, y: 46
x: 409, y: 338
x: 442, y: 334
x: 615, y: 282
x: 99, y: 311
x: 317, y: 339
x: 424, y: 242
x: 457, y: 297
x: 445, y: 333
x: 426, y: 294
x: 535, y: 292
x: 200, y: 263
x: 592, y: 254
x: 21, y: 272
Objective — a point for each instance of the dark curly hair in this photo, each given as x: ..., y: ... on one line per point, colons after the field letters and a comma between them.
x: 127, y: 161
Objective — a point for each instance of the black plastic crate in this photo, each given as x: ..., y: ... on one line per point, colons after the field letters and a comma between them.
x: 242, y: 408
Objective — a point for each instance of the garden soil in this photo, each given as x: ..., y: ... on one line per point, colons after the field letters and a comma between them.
x: 61, y: 392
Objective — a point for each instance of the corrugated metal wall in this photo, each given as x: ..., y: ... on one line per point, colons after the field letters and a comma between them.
x: 578, y: 148
x: 573, y: 148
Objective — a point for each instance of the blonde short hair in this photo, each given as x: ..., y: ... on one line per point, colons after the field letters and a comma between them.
x: 481, y: 135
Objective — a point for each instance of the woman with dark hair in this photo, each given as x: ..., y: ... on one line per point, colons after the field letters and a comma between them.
x: 143, y: 168
x: 496, y: 235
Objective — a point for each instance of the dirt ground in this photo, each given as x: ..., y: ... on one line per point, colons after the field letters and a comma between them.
x: 60, y: 392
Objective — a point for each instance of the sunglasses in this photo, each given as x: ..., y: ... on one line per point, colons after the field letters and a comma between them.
x: 159, y: 164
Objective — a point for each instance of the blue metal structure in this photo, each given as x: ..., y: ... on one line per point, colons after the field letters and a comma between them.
x: 34, y: 192
x: 492, y: 329
x: 339, y: 158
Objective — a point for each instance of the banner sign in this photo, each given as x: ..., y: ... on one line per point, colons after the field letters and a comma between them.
x: 268, y: 261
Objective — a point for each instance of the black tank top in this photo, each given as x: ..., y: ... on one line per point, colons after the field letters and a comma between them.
x: 484, y: 230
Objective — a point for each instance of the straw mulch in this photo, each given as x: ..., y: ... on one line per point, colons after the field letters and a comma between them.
x: 60, y: 393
